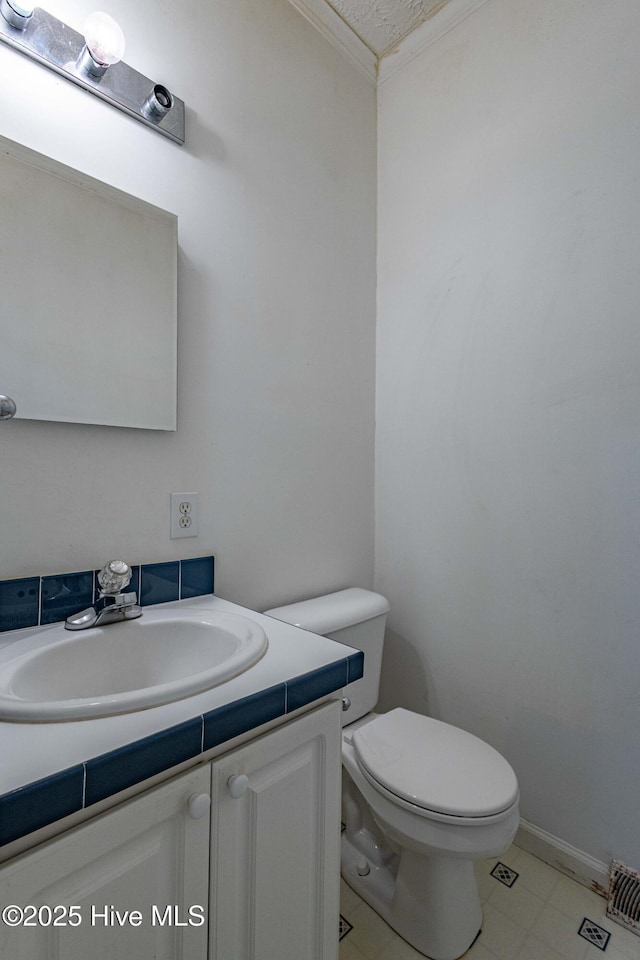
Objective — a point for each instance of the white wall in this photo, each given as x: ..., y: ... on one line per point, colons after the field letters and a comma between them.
x: 508, y: 434
x: 275, y: 195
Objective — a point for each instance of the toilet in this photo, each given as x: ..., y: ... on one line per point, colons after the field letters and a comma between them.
x: 421, y: 799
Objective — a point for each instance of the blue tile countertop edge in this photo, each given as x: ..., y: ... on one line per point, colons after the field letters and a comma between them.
x: 45, y: 801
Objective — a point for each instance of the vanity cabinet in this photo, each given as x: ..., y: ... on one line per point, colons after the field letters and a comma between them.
x: 162, y: 877
x: 275, y: 843
x: 102, y: 889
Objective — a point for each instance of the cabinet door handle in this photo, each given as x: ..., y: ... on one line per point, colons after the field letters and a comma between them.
x: 198, y: 805
x: 238, y: 785
x: 7, y: 407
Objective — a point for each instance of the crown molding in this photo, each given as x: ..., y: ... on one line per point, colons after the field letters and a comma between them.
x: 331, y: 25
x: 428, y: 33
x: 340, y: 35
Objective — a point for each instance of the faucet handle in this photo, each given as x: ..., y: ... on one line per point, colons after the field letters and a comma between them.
x: 114, y: 577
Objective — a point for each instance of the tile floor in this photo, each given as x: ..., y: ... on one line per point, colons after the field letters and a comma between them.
x: 537, y: 917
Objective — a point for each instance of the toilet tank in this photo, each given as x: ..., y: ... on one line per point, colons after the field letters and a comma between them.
x: 355, y: 617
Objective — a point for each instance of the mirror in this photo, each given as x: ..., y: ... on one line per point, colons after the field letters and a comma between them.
x: 88, y: 279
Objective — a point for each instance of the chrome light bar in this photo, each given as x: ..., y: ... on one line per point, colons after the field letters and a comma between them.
x: 43, y: 38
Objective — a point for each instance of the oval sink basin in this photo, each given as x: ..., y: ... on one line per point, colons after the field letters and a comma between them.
x: 127, y: 666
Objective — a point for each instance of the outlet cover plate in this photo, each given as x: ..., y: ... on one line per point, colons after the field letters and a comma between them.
x: 184, y: 515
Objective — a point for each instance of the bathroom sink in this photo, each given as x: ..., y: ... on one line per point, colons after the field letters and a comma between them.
x: 162, y: 656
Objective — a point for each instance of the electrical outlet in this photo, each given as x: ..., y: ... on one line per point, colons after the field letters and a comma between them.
x: 184, y: 515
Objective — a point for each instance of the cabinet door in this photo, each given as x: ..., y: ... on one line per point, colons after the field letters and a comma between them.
x: 149, y: 855
x: 275, y: 840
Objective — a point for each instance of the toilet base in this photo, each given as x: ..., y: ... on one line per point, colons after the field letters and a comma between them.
x: 432, y: 902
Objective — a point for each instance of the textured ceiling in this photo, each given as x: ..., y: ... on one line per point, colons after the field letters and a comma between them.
x: 380, y: 24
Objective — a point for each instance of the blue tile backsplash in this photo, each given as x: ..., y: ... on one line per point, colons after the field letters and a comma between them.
x: 196, y: 579
x: 31, y: 601
x: 19, y: 603
x: 63, y: 595
x: 160, y: 583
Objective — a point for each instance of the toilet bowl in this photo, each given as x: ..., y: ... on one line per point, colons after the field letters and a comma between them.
x: 422, y: 800
x: 417, y: 814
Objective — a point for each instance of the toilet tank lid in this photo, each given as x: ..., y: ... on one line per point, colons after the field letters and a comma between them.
x: 333, y: 611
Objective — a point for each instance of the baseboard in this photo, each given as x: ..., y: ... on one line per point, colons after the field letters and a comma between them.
x: 569, y: 860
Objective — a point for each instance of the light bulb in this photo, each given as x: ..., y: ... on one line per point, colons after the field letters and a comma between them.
x: 104, y: 39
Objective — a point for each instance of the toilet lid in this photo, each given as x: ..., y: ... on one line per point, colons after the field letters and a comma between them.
x: 434, y: 765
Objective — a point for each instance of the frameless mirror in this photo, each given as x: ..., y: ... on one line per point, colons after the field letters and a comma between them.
x: 88, y: 279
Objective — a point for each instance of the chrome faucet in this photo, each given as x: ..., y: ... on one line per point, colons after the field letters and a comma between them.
x: 112, y: 604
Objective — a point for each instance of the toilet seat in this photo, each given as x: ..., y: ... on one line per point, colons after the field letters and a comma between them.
x: 434, y: 766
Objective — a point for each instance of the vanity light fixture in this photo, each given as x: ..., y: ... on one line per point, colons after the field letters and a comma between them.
x: 93, y: 62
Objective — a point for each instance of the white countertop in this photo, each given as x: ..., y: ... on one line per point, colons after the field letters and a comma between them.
x: 31, y: 751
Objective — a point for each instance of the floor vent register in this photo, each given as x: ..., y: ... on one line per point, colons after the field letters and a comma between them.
x: 623, y: 904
